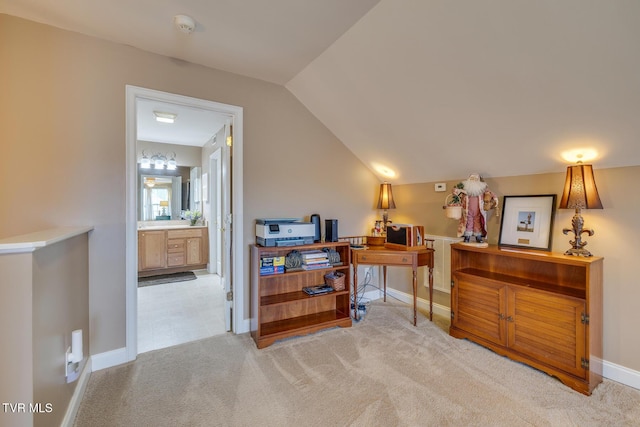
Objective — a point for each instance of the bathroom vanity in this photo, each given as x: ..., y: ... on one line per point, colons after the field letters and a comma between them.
x: 172, y: 249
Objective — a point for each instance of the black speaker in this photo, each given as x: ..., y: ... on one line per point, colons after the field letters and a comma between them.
x: 315, y: 220
x: 330, y: 230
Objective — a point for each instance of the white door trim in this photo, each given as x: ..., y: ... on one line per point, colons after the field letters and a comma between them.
x: 131, y: 261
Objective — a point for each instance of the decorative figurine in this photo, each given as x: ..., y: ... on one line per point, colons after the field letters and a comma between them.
x: 476, y: 199
x: 293, y: 261
x: 333, y: 255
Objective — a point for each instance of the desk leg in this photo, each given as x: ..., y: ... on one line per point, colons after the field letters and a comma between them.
x: 384, y: 275
x: 415, y: 298
x: 431, y: 294
x: 355, y: 291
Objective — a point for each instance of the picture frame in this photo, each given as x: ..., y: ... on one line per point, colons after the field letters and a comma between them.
x: 527, y: 221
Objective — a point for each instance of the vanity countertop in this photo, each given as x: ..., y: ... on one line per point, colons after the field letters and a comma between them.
x: 168, y: 227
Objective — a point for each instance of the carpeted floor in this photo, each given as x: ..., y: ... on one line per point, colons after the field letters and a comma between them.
x: 166, y: 278
x: 383, y: 371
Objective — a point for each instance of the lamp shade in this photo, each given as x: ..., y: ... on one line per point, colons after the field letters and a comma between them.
x: 385, y: 200
x: 580, y: 191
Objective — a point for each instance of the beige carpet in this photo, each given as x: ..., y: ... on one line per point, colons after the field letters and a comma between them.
x: 381, y: 372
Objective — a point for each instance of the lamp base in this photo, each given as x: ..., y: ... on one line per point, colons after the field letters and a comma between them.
x: 578, y: 252
x: 578, y: 245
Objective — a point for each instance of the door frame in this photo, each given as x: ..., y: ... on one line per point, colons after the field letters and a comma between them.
x: 131, y: 219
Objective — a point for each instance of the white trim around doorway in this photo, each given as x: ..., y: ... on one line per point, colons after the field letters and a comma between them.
x: 240, y: 325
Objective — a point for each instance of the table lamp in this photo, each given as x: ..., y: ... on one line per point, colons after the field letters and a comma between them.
x: 385, y: 202
x: 164, y: 204
x: 579, y: 193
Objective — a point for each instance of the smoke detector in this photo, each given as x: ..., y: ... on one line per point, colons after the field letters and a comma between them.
x: 184, y: 23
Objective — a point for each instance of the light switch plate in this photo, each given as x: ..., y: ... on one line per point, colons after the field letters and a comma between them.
x: 441, y: 186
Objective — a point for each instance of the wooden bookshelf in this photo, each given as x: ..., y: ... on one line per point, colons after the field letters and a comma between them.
x: 279, y: 307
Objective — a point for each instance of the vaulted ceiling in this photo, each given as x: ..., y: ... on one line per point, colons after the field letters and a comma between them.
x: 427, y: 89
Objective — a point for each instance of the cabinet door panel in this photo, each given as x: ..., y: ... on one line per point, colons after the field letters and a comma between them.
x: 194, y: 251
x: 548, y: 327
x: 479, y: 308
x: 152, y: 250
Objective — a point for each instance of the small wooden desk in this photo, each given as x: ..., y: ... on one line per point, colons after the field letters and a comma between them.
x: 379, y: 255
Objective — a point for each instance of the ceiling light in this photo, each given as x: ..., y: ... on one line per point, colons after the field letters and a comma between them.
x: 184, y: 23
x: 165, y: 117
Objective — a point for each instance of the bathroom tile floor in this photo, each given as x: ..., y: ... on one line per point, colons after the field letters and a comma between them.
x: 175, y: 313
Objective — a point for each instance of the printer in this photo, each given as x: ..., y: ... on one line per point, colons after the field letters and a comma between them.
x: 284, y: 232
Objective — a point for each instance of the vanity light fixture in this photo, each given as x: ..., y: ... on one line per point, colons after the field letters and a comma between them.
x: 145, y: 162
x: 163, y: 117
x: 159, y: 161
x: 171, y: 163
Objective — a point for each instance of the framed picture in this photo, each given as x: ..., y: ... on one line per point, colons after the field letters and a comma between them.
x: 527, y: 221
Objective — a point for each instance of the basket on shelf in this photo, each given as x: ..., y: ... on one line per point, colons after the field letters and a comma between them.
x: 335, y: 279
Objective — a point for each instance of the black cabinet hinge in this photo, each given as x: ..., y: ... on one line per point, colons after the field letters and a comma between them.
x: 584, y: 363
x: 584, y: 318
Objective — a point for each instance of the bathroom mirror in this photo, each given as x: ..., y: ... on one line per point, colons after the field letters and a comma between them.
x: 160, y: 197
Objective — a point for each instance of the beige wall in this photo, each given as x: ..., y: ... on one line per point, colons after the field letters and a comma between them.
x: 614, y: 239
x: 63, y: 143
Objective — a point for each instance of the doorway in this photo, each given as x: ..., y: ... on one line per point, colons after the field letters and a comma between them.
x: 234, y: 306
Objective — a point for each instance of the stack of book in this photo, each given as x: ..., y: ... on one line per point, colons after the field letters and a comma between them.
x: 271, y: 265
x: 314, y: 259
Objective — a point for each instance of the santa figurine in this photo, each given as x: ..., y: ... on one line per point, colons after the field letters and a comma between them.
x: 477, y: 200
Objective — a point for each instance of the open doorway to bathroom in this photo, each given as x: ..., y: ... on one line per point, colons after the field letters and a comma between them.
x: 165, y: 314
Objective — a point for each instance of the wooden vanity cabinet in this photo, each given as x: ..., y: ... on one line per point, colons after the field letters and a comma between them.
x: 539, y: 308
x: 172, y: 250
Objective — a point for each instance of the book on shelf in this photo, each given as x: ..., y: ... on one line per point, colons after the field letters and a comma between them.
x: 317, y: 290
x: 315, y: 266
x: 273, y: 269
x: 314, y: 253
x: 271, y: 261
x: 315, y: 261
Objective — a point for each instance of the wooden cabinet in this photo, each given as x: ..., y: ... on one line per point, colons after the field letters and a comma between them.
x: 152, y: 250
x: 172, y: 250
x: 280, y: 308
x: 187, y: 246
x: 540, y: 308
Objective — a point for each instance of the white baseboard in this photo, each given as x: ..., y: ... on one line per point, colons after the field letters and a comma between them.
x: 423, y: 304
x: 245, y: 326
x: 109, y: 358
x: 78, y: 394
x: 621, y: 374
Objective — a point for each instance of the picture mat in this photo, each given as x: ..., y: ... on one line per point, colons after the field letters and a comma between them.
x: 514, y: 229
